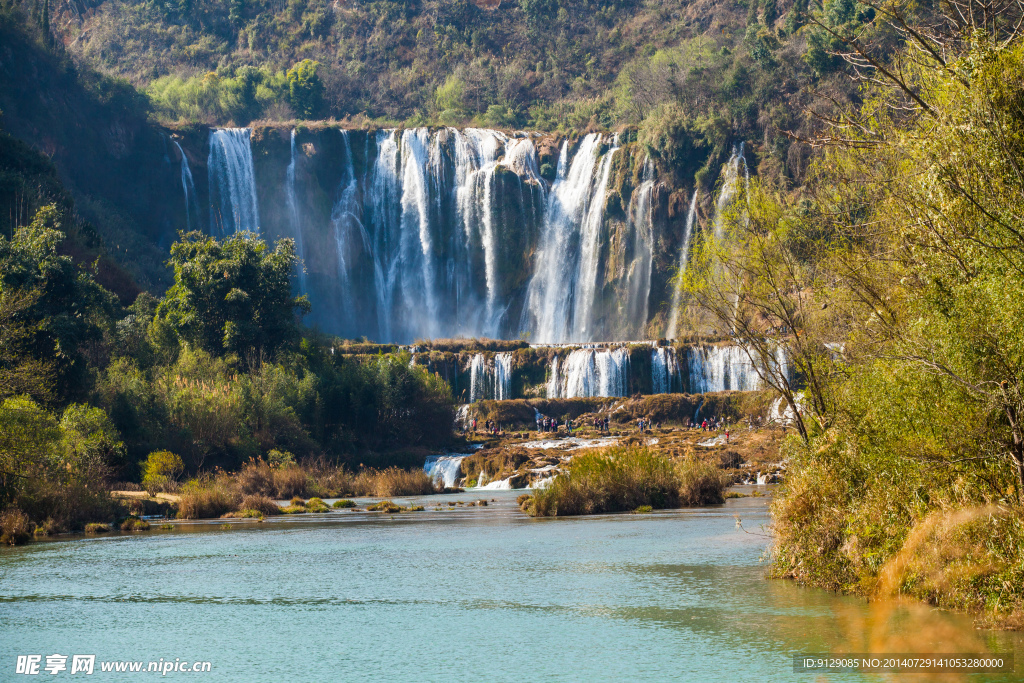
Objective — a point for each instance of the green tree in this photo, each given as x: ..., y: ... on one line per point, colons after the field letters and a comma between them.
x: 59, y: 309
x: 233, y: 296
x: 305, y: 89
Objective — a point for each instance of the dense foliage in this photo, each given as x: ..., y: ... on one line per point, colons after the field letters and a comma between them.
x: 207, y: 377
x: 695, y: 76
x: 893, y: 278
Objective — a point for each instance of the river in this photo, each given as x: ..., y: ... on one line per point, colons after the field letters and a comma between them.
x: 463, y: 594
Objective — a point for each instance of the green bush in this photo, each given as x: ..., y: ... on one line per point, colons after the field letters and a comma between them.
x: 160, y: 471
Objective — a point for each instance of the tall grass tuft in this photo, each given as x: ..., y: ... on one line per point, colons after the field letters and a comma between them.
x: 627, y: 478
x: 393, y: 482
x: 207, y: 497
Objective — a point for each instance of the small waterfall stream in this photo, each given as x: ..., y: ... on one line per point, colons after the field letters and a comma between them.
x: 590, y: 372
x: 293, y: 214
x: 189, y: 188
x: 444, y: 467
x: 664, y: 369
x: 684, y: 259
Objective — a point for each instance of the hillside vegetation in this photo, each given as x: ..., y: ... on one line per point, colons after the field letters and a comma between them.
x: 892, y: 278
x: 709, y: 71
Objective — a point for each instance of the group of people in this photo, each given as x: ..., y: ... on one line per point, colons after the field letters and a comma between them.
x: 645, y: 425
x: 601, y: 424
x: 550, y: 424
x: 490, y: 427
x: 711, y: 424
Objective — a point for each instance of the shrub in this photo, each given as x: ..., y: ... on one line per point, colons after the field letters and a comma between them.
x: 160, y: 471
x: 97, y: 528
x: 134, y: 524
x: 297, y: 501
x: 256, y: 478
x: 261, y: 504
x: 644, y: 510
x: 317, y: 505
x: 385, y: 506
x: 344, y: 503
x: 280, y: 459
x: 626, y: 478
x: 15, y: 527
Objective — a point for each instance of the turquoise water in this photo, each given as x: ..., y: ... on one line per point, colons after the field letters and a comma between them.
x: 473, y: 594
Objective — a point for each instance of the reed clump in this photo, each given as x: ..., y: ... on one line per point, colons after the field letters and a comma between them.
x: 627, y: 479
x: 97, y: 528
x: 261, y: 504
x: 392, y: 481
x: 208, y: 497
x: 15, y: 527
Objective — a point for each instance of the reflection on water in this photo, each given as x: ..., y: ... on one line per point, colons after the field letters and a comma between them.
x: 455, y: 594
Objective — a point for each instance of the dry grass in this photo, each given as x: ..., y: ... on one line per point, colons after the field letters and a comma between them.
x: 393, y: 482
x: 208, y: 497
x: 15, y: 527
x: 261, y: 504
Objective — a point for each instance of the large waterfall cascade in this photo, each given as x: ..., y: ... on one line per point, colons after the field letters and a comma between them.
x: 233, y: 201
x: 453, y: 233
x: 561, y: 294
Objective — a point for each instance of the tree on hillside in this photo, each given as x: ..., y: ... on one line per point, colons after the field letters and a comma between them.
x: 52, y: 311
x: 232, y: 296
x: 305, y: 89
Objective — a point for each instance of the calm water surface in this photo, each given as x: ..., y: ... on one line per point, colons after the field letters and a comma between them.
x: 473, y: 594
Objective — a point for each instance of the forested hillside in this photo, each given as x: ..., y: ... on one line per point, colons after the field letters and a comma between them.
x: 711, y: 69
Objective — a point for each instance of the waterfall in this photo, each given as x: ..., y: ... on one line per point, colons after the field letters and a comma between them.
x: 591, y: 372
x: 445, y: 232
x: 721, y: 368
x: 478, y: 372
x: 590, y: 252
x: 554, y: 385
x: 233, y: 205
x: 664, y: 369
x: 292, y: 204
x: 633, y: 309
x: 435, y: 232
x: 684, y: 259
x: 730, y: 183
x: 566, y: 259
x: 188, y: 187
x: 417, y: 242
x: 444, y: 467
x: 350, y: 237
x: 503, y: 376
x: 385, y: 212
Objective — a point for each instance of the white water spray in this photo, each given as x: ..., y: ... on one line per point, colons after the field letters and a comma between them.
x: 233, y: 205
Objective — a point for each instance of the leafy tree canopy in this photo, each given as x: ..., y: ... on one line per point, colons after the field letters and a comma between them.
x: 232, y: 296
